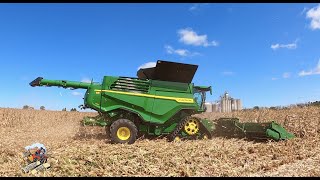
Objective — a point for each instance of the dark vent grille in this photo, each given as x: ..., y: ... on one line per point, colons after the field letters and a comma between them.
x: 131, y: 84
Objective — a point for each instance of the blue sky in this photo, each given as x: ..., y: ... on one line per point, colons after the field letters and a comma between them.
x: 264, y: 54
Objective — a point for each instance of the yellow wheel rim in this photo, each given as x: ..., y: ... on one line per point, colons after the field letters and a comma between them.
x: 192, y: 126
x: 123, y: 133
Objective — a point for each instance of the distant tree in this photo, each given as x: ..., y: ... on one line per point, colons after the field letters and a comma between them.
x: 73, y: 109
x: 42, y: 108
x: 256, y: 107
x: 315, y: 103
x: 300, y: 105
x: 64, y: 109
x: 27, y: 107
x: 273, y: 108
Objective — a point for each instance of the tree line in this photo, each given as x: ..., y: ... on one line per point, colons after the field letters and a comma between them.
x: 43, y: 108
x: 300, y: 105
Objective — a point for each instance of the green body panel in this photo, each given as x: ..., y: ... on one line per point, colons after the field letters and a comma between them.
x: 91, y: 99
x: 145, y: 101
x: 154, y: 102
x: 208, y: 125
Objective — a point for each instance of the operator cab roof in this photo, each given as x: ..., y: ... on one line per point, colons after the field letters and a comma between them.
x: 169, y: 71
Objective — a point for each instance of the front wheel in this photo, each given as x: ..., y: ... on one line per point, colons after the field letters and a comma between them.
x: 123, y: 131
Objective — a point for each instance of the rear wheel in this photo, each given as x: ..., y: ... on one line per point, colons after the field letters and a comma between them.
x: 123, y: 131
x: 192, y: 126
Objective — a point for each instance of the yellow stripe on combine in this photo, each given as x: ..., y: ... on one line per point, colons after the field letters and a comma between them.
x: 181, y: 100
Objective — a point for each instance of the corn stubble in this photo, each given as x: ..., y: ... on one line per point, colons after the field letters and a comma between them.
x: 77, y: 150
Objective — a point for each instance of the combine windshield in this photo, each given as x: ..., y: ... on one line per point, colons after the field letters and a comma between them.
x: 199, y: 97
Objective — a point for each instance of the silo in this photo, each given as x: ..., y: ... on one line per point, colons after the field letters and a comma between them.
x: 218, y: 106
x: 232, y: 104
x: 223, y: 104
x: 208, y: 107
x: 226, y: 95
x: 226, y: 105
x: 215, y: 107
x: 239, y: 104
x: 229, y: 105
x: 226, y: 102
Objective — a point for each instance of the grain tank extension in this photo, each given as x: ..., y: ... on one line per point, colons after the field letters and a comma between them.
x: 159, y: 102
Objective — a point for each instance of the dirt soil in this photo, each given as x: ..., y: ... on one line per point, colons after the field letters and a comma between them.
x: 76, y: 150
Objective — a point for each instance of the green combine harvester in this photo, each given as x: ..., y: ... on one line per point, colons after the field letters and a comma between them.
x: 159, y: 102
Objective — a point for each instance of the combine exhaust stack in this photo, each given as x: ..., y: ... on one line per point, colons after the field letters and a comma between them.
x: 231, y: 127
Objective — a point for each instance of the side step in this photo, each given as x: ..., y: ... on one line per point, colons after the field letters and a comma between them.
x: 269, y: 130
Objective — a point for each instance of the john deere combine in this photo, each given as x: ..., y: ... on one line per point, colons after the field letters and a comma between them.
x: 159, y: 102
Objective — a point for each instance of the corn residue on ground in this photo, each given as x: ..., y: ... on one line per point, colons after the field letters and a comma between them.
x: 76, y: 150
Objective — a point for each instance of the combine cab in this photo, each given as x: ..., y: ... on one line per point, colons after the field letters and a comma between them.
x: 159, y: 102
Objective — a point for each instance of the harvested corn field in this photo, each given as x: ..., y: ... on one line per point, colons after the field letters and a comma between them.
x: 76, y: 150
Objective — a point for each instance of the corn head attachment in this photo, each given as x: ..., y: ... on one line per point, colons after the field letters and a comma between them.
x: 231, y: 127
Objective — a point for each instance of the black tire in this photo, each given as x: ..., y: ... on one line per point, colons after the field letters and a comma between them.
x: 126, y: 124
x: 177, y: 130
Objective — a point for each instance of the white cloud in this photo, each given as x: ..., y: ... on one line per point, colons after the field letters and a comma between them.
x: 228, y: 73
x: 197, y: 6
x: 87, y: 80
x: 313, y: 71
x: 286, y: 75
x: 288, y: 46
x: 190, y: 37
x: 314, y: 15
x: 273, y: 79
x: 180, y: 52
x: 76, y: 93
x: 147, y: 65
